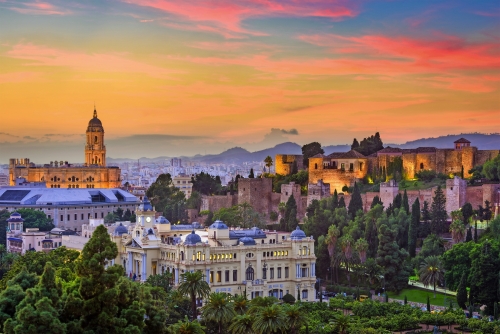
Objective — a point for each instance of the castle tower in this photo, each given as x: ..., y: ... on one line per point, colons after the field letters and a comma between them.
x: 95, y: 151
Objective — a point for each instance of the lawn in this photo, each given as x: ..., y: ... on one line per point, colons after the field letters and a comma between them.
x: 420, y: 185
x: 420, y: 296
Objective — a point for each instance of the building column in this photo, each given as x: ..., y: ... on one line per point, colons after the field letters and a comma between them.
x: 129, y: 262
x: 313, y: 269
x: 144, y: 268
x: 207, y: 275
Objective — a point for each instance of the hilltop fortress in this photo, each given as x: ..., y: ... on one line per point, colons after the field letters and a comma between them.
x: 343, y: 169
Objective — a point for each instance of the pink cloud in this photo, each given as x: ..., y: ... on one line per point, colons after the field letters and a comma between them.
x: 226, y: 16
x: 45, y: 56
x: 37, y: 8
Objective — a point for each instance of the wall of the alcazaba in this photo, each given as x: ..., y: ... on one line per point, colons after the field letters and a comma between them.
x: 290, y: 189
x: 256, y: 192
x: 368, y: 200
x: 469, y: 157
x: 475, y: 196
x: 453, y: 162
x: 215, y: 203
x: 490, y: 193
x: 275, y: 201
x: 410, y: 164
x: 482, y: 156
x: 302, y: 213
x: 283, y: 163
x: 428, y: 160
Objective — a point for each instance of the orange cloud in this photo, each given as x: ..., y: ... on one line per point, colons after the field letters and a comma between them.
x: 18, y: 77
x: 45, y: 56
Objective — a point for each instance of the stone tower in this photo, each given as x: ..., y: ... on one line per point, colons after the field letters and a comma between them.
x: 95, y: 151
x: 388, y: 191
x: 456, y: 191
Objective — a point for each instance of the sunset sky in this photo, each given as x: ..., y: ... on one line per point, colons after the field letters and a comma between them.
x: 172, y: 77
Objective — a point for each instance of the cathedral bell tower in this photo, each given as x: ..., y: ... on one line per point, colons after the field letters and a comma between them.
x: 95, y: 151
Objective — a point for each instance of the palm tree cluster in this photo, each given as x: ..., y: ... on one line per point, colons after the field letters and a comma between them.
x: 261, y: 315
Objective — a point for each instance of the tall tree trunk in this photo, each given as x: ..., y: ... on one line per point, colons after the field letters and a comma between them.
x: 193, y: 305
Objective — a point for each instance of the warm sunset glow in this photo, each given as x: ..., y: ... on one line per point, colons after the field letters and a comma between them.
x: 201, y: 76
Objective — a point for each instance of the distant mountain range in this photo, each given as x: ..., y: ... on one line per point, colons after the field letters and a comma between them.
x: 238, y: 155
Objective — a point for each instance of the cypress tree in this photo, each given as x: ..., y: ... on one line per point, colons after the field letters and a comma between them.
x: 414, y: 227
x: 438, y: 212
x: 475, y: 232
x: 251, y: 175
x: 335, y: 201
x: 384, y: 175
x: 376, y: 200
x: 468, y: 236
x: 462, y: 291
x: 356, y: 202
x: 290, y: 217
x: 406, y: 205
x: 295, y: 168
x: 428, y: 304
x: 341, y: 202
x: 397, y: 202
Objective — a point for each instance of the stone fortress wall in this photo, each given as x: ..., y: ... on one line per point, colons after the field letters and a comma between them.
x: 283, y: 163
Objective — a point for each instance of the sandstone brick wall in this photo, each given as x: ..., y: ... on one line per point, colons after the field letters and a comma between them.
x: 256, y: 192
x: 283, y: 163
x: 475, y: 196
x: 215, y: 203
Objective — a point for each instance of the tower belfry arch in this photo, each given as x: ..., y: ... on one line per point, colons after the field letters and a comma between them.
x: 95, y: 150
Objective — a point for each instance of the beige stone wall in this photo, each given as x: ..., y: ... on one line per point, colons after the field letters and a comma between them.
x: 475, y: 196
x: 256, y: 192
x: 283, y: 163
x: 215, y: 203
x: 455, y: 192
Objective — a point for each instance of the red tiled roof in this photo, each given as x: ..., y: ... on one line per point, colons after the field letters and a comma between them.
x: 462, y: 140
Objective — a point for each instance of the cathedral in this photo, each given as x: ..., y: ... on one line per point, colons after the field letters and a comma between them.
x: 60, y: 174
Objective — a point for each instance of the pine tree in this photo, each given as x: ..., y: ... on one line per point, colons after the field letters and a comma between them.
x: 356, y: 202
x: 438, y: 212
x: 414, y: 228
x: 103, y: 290
x: 251, y: 175
x: 462, y: 291
x: 406, y: 205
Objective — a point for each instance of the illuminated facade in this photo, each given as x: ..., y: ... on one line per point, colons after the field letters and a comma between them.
x: 61, y: 174
x: 260, y: 262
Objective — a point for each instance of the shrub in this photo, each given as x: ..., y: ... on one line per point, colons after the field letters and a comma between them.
x: 426, y: 175
x: 288, y: 298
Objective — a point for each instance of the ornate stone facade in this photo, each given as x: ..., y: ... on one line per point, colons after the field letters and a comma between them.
x: 61, y: 174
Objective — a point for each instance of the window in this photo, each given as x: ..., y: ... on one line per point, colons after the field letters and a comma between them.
x: 95, y: 215
x: 342, y: 166
x: 271, y: 273
x: 235, y: 275
x: 226, y: 274
x: 279, y: 272
x: 264, y: 273
x: 218, y: 277
x: 211, y: 277
x: 76, y: 216
x: 287, y: 272
x: 62, y: 218
x: 421, y: 165
x: 303, y: 272
x: 82, y: 216
x: 304, y: 294
x: 102, y: 214
x: 249, y: 274
x: 315, y: 166
x: 351, y: 167
x: 360, y: 166
x: 69, y: 217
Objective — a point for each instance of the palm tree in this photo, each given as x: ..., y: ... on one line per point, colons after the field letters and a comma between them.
x: 240, y: 304
x: 431, y: 271
x: 186, y: 327
x: 341, y: 323
x: 269, y: 162
x: 242, y: 324
x: 331, y: 242
x: 361, y: 246
x: 194, y: 286
x: 295, y: 318
x: 270, y: 320
x: 219, y: 309
x: 457, y: 229
x: 259, y: 303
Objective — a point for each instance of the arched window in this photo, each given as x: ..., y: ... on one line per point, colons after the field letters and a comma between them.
x: 95, y: 140
x: 315, y: 166
x: 182, y: 255
x: 249, y: 273
x: 421, y: 165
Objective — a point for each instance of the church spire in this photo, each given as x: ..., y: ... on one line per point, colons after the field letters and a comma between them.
x: 95, y: 112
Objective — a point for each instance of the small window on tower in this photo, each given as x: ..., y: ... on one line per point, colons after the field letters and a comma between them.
x: 95, y: 139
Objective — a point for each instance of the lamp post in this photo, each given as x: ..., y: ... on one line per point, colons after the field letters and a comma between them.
x: 298, y: 291
x: 383, y: 289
